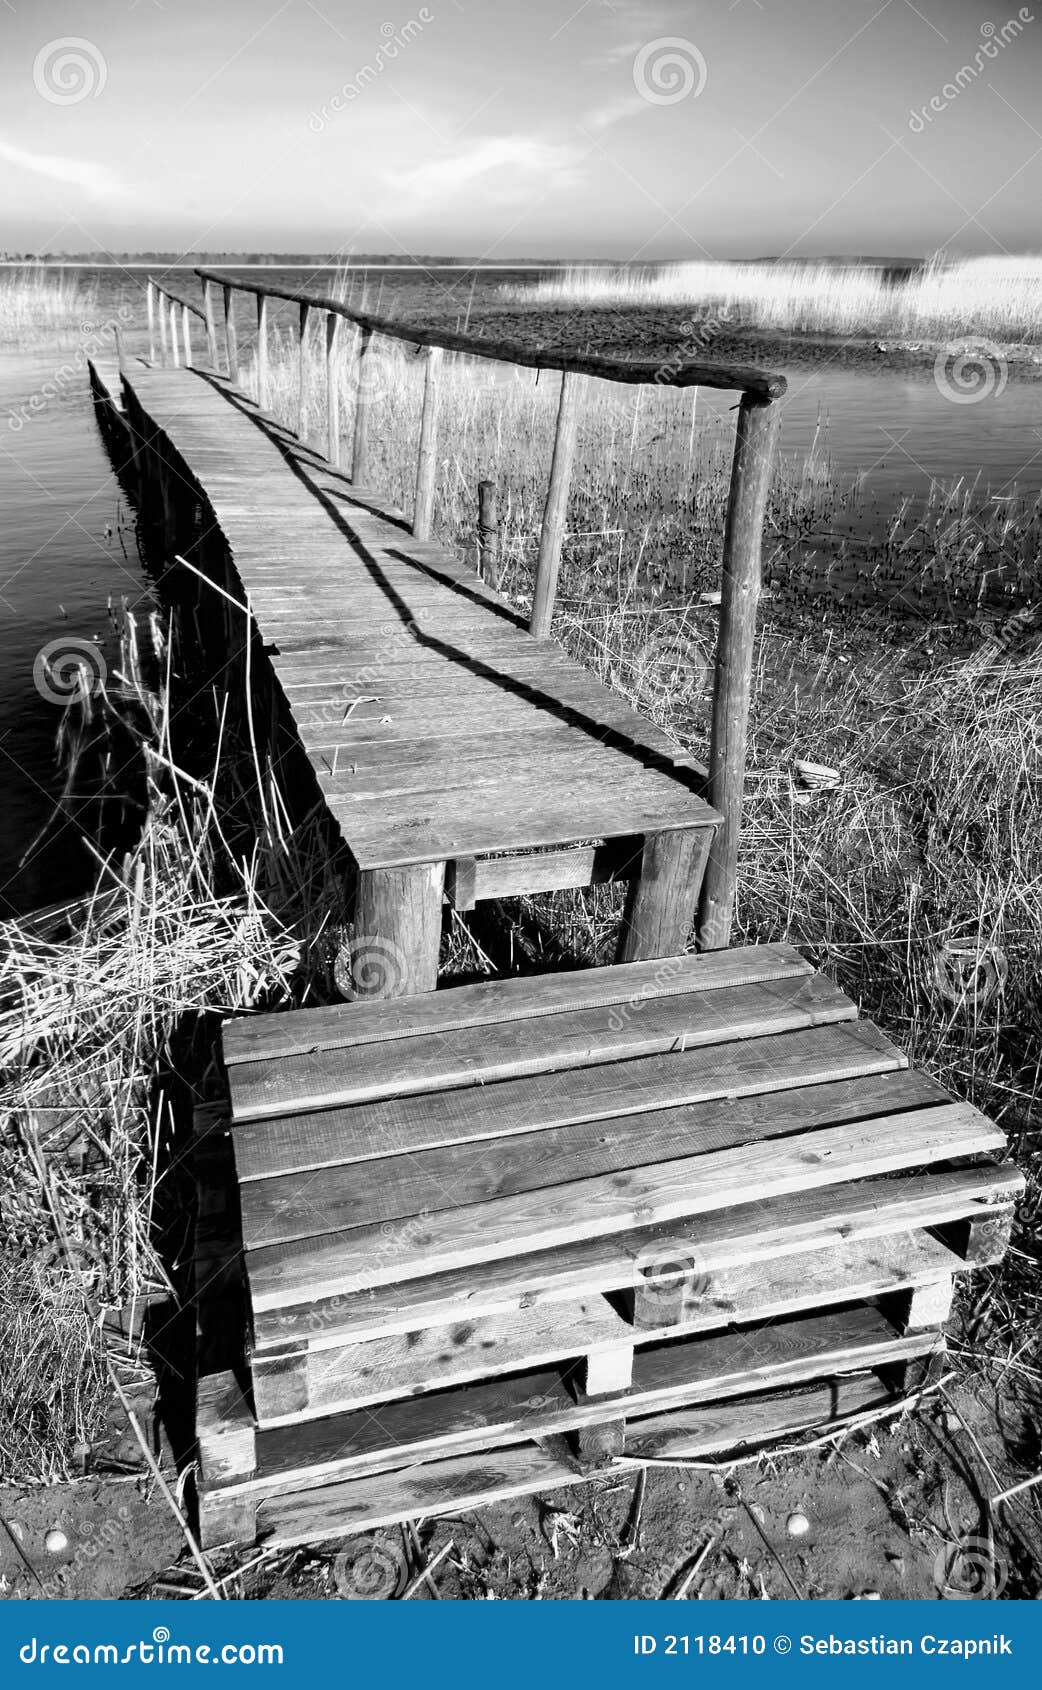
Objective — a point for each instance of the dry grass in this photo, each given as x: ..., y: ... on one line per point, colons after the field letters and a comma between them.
x: 41, y: 307
x: 1000, y: 298
x: 91, y: 997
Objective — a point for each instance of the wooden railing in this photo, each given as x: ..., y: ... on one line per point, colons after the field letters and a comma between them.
x: 169, y: 312
x: 755, y: 441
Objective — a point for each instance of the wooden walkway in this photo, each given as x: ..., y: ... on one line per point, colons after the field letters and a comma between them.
x: 440, y: 732
x: 618, y: 1205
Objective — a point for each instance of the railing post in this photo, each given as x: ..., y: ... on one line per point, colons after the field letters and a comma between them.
x: 360, y: 444
x: 186, y: 332
x: 211, y: 328
x: 755, y: 440
x: 175, y: 353
x: 488, y: 533
x: 554, y: 511
x: 230, y: 338
x: 332, y: 388
x: 426, y: 459
x: 263, y: 395
x: 302, y: 391
x: 150, y: 307
x: 161, y: 314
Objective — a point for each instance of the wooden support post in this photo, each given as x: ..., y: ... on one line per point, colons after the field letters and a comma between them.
x: 360, y: 447
x: 660, y: 907
x: 929, y: 1305
x: 488, y: 533
x: 394, y: 953
x: 332, y: 388
x: 302, y: 373
x: 150, y: 307
x: 427, y: 457
x: 230, y: 338
x: 175, y: 353
x: 225, y: 1431
x: 186, y: 334
x: 211, y: 328
x: 161, y: 313
x: 555, y: 510
x: 980, y: 1239
x: 227, y: 1518
x: 263, y: 386
x: 117, y: 335
x: 280, y: 1385
x: 755, y: 441
x: 608, y: 1371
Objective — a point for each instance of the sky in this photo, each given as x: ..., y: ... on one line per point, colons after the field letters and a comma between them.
x: 511, y: 128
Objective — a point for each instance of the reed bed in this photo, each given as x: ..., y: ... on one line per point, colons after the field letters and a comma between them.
x: 40, y: 307
x: 1000, y: 298
x: 93, y: 997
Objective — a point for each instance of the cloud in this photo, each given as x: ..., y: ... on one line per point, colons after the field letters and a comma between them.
x: 96, y: 180
x: 503, y: 167
x: 614, y: 111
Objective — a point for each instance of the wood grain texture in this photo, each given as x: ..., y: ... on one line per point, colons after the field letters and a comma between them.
x: 249, y: 1038
x: 745, y: 1076
x: 573, y: 1039
x: 371, y: 1256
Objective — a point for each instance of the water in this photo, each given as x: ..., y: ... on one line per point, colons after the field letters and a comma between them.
x: 67, y: 549
x: 66, y: 552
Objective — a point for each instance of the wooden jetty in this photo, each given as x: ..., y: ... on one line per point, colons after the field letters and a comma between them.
x: 472, y: 1243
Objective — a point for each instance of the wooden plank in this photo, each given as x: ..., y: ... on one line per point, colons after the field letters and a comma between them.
x: 278, y: 1209
x: 502, y: 1411
x: 265, y: 1037
x: 753, y: 1077
x: 371, y: 1256
x: 814, y: 1219
x: 573, y: 1039
x: 356, y: 1374
x: 462, y: 1483
x: 389, y: 1369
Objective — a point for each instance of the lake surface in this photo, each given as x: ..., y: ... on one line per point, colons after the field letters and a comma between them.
x: 67, y: 547
x: 67, y: 551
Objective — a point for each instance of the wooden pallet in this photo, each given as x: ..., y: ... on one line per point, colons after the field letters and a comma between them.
x: 671, y: 1205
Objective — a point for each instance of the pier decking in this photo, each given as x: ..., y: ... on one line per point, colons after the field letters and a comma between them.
x: 439, y: 730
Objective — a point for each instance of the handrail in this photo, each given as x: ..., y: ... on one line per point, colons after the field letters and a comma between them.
x: 755, y: 441
x: 636, y: 371
x: 156, y: 293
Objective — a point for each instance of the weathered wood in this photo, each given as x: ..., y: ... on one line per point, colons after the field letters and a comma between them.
x: 211, y: 327
x: 171, y: 312
x: 302, y: 373
x: 370, y: 1256
x: 488, y: 533
x: 394, y: 952
x: 427, y: 457
x: 263, y: 383
x: 639, y: 371
x: 333, y: 388
x: 755, y: 442
x: 551, y: 534
x: 230, y: 338
x: 150, y: 307
x: 983, y: 1238
x: 930, y: 1305
x: 186, y: 335
x: 749, y: 1233
x: 363, y: 388
x: 521, y: 874
x: 576, y: 1038
x: 663, y: 896
x: 225, y: 1431
x: 251, y: 1038
x: 740, y: 1089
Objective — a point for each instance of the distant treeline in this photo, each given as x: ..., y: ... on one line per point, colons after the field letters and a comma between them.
x: 282, y: 260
